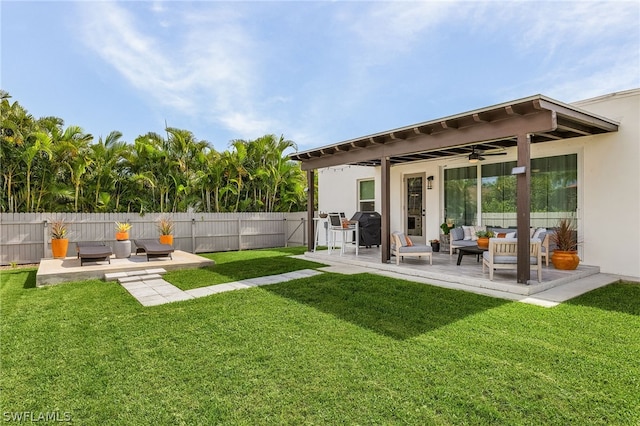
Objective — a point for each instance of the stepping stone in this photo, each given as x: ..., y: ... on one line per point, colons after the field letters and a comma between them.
x: 128, y: 279
x: 178, y: 297
x: 149, y: 278
x: 201, y: 292
x: 114, y: 276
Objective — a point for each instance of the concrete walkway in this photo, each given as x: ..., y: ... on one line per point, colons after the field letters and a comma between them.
x: 150, y: 289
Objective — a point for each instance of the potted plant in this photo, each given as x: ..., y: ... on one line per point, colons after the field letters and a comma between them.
x: 483, y: 238
x: 59, y: 240
x: 446, y: 228
x: 435, y: 245
x: 165, y: 227
x: 122, y: 231
x: 565, y: 254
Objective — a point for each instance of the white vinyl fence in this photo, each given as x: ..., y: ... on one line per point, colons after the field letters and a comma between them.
x: 24, y: 237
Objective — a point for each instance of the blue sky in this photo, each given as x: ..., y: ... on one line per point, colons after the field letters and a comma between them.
x: 317, y: 72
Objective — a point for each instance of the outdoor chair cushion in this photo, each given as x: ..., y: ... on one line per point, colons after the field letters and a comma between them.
x: 508, y: 259
x: 400, y: 248
x: 154, y: 248
x: 93, y: 251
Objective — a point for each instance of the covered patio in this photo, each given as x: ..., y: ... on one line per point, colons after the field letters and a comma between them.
x: 516, y: 124
x: 556, y: 286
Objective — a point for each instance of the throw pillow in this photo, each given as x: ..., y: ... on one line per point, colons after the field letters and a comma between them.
x: 457, y: 234
x: 538, y: 232
x: 403, y: 239
x: 468, y: 232
x: 474, y: 237
x: 502, y: 235
x: 511, y: 235
x: 409, y: 242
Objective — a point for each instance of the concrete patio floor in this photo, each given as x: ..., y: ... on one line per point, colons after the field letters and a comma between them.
x: 556, y: 286
x: 55, y: 271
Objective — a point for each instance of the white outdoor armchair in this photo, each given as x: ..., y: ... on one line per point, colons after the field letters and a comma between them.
x: 502, y: 254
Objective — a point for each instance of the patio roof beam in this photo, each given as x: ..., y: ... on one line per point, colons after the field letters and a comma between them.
x: 543, y: 121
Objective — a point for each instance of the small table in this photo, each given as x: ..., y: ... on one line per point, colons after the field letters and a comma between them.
x: 318, y: 221
x: 462, y: 251
x: 122, y: 249
x: 353, y: 227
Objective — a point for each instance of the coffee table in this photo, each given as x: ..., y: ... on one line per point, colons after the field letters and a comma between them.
x: 463, y: 251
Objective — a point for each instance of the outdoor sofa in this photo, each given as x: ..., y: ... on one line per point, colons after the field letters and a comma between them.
x: 153, y: 248
x: 465, y: 236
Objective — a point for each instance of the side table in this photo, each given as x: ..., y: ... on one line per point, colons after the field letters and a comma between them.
x: 444, y: 242
x: 325, y: 224
x: 122, y: 249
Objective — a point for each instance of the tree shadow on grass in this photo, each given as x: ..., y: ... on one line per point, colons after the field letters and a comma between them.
x: 30, y: 282
x: 621, y: 297
x: 244, y: 269
x: 237, y: 270
x: 394, y: 308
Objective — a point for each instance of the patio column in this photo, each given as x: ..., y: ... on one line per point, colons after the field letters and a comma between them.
x: 311, y: 196
x: 385, y: 166
x: 523, y: 208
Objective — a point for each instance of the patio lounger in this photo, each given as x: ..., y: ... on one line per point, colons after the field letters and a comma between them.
x: 93, y: 251
x: 153, y: 248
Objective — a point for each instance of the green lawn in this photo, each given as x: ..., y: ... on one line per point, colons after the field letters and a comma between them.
x: 241, y: 265
x: 330, y: 349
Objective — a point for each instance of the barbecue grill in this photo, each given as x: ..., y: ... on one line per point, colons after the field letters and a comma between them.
x: 370, y: 224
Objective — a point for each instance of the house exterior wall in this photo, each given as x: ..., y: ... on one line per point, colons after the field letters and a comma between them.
x: 608, y: 182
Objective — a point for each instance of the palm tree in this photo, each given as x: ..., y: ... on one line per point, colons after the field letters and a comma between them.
x: 108, y: 156
x: 16, y: 124
x: 236, y: 168
x: 37, y: 143
x: 72, y: 147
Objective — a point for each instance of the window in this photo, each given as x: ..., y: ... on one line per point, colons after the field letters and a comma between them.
x: 366, y: 196
x: 554, y: 192
x: 498, y: 194
x: 461, y: 195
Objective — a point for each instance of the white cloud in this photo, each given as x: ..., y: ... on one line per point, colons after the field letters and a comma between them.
x: 224, y: 63
x: 203, y: 67
x: 385, y: 29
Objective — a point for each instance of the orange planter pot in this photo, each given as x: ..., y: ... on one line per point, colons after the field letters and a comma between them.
x: 166, y: 239
x: 122, y: 236
x: 565, y: 260
x: 59, y: 248
x: 483, y: 242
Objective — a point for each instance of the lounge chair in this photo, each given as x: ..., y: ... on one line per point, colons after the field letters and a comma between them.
x: 401, y: 247
x: 93, y: 251
x: 502, y: 254
x: 153, y: 248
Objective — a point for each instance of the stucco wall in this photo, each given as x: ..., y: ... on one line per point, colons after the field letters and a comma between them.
x: 608, y: 182
x: 611, y: 182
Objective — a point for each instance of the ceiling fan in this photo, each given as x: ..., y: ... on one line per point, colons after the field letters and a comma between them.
x: 477, y: 155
